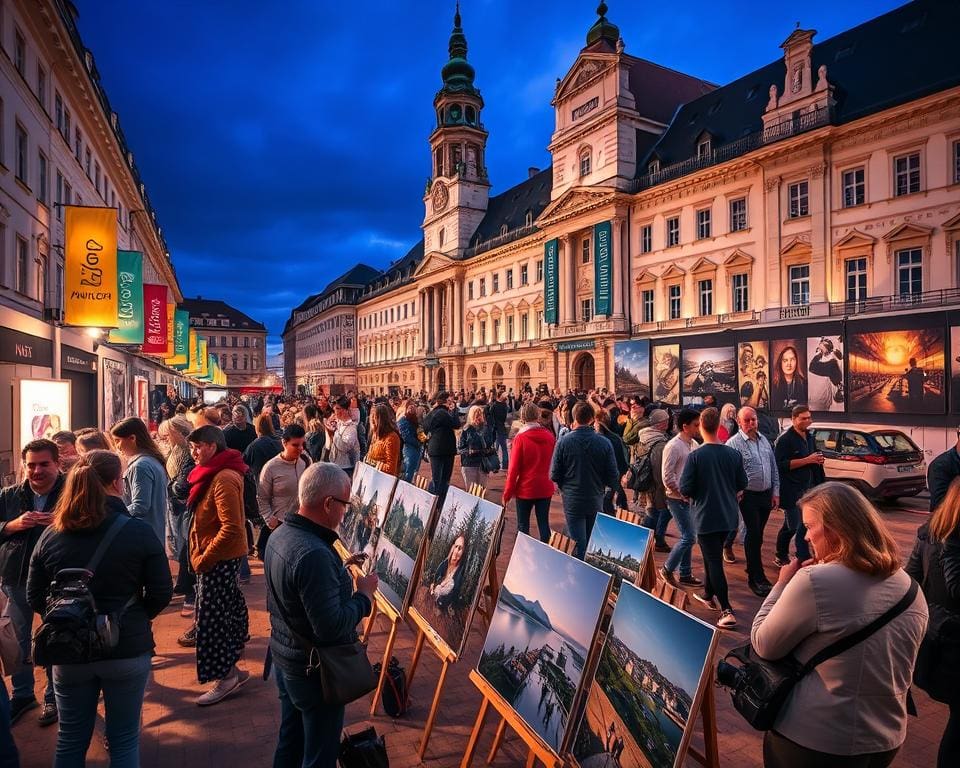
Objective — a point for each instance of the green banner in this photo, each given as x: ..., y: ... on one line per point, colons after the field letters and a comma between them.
x: 551, y: 282
x: 181, y: 332
x: 130, y: 299
x: 603, y: 268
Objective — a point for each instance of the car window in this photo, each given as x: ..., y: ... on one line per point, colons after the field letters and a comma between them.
x: 854, y: 444
x: 825, y: 439
x: 894, y: 442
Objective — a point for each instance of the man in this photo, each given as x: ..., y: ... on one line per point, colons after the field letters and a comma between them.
x: 941, y: 472
x: 761, y: 495
x: 675, y: 454
x: 440, y: 424
x: 67, y: 445
x: 342, y: 437
x: 915, y: 377
x: 636, y: 421
x: 713, y: 480
x: 239, y: 433
x: 25, y: 512
x: 310, y: 594
x: 651, y: 441
x: 498, y: 415
x: 801, y: 467
x: 218, y: 544
x: 280, y: 478
x: 583, y: 467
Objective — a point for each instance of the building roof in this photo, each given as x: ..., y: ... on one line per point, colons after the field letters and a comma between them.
x: 659, y: 90
x: 398, y: 273
x: 200, y: 307
x: 510, y: 208
x: 860, y: 63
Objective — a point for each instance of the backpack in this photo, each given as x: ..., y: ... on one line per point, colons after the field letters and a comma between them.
x: 394, y: 694
x: 73, y: 631
x: 251, y: 507
x: 640, y: 474
x: 937, y: 669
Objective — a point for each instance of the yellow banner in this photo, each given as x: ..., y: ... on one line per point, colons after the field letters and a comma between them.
x: 194, y: 367
x: 90, y: 291
x: 171, y: 327
x: 204, y: 360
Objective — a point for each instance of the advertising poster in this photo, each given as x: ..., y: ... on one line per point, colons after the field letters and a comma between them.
x: 114, y: 392
x: 897, y: 371
x: 142, y: 398
x: 709, y: 371
x: 753, y: 373
x: 825, y: 373
x: 666, y: 374
x: 788, y: 379
x: 44, y: 408
x: 90, y: 290
x: 631, y: 365
x: 129, y: 328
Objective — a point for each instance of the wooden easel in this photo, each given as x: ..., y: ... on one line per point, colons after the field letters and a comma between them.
x: 649, y: 578
x: 710, y: 757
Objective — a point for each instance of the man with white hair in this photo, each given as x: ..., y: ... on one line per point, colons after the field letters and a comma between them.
x: 310, y: 595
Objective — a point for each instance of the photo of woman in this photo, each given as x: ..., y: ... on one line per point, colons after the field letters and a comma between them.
x: 825, y: 383
x: 789, y: 385
x: 448, y: 577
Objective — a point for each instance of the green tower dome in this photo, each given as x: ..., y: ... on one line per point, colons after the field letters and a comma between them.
x: 457, y: 73
x: 603, y: 29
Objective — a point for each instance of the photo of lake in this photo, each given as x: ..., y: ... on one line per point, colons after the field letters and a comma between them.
x: 546, y: 618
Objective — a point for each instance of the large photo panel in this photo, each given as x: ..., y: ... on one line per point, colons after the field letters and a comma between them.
x: 897, y: 371
x: 788, y: 375
x: 362, y: 522
x: 666, y: 374
x: 825, y: 382
x: 753, y: 373
x: 709, y: 371
x: 631, y: 365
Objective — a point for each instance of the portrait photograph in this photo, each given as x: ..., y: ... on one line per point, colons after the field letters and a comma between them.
x: 362, y: 522
x: 711, y: 371
x: 788, y: 375
x: 897, y: 371
x: 825, y: 390
x: 114, y: 392
x: 666, y: 374
x: 619, y: 548
x: 955, y: 369
x: 753, y: 373
x: 631, y: 368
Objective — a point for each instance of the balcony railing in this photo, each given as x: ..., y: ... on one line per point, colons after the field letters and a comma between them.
x: 494, y: 242
x: 592, y: 328
x: 727, y: 319
x: 893, y: 303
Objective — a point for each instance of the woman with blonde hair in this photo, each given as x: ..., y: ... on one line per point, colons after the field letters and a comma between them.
x: 851, y: 709
x: 384, y: 439
x: 472, y: 446
x: 173, y: 433
x: 728, y: 422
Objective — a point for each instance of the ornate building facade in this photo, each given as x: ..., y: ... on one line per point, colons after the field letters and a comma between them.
x: 238, y: 341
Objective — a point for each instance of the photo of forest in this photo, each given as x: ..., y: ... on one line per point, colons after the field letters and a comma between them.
x: 403, y: 534
x: 369, y: 499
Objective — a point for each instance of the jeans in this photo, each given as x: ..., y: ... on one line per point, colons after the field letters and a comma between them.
x: 714, y: 581
x: 9, y: 757
x: 411, y: 461
x: 781, y: 752
x: 542, y: 507
x: 679, y: 556
x: 658, y: 520
x: 78, y: 687
x: 309, y: 730
x: 792, y: 527
x: 441, y: 470
x: 755, y: 511
x: 186, y: 578
x: 22, y: 616
x: 612, y: 495
x: 500, y: 441
x: 579, y: 528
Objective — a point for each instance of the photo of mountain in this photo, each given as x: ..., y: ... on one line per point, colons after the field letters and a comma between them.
x: 631, y: 366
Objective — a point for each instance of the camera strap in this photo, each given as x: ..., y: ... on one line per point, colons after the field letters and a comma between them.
x: 106, y: 541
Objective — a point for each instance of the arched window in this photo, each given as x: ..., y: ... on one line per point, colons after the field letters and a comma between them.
x: 585, y: 161
x: 471, y: 115
x: 528, y: 219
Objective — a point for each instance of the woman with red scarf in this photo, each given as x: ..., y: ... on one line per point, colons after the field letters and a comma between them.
x: 218, y: 543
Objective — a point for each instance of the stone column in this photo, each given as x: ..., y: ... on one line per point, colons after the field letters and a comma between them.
x: 458, y: 312
x: 421, y: 335
x: 819, y: 246
x: 435, y: 298
x: 618, y: 266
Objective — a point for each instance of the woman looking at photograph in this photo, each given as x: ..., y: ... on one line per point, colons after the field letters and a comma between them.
x: 408, y: 425
x: 852, y: 708
x: 448, y: 578
x: 528, y: 477
x: 728, y: 422
x: 789, y: 384
x: 384, y: 439
x: 145, y: 479
x: 472, y: 447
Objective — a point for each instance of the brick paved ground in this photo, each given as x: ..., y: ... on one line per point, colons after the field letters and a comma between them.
x: 241, y: 730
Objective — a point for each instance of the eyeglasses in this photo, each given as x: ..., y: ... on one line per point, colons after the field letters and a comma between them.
x: 345, y: 502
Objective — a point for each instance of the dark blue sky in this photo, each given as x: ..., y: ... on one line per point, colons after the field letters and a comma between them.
x: 283, y: 142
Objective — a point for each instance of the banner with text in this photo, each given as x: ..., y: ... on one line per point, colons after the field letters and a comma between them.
x: 181, y: 327
x: 129, y: 328
x: 155, y: 319
x: 603, y: 268
x: 90, y: 295
x: 192, y: 365
x: 204, y: 359
x: 551, y: 282
x: 171, y: 319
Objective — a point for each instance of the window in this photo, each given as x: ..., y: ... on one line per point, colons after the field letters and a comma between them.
x: 78, y: 145
x: 59, y: 200
x: 483, y: 332
x: 800, y: 284
x: 2, y: 142
x: 19, y: 52
x: 483, y: 286
x: 738, y: 214
x: 741, y: 292
x: 21, y: 277
x: 956, y: 162
x: 524, y: 326
x: 509, y: 279
x: 585, y: 162
x: 528, y: 219
x: 42, y: 86
x: 21, y: 148
x: 646, y: 301
x: 909, y: 272
x: 906, y: 172
x: 524, y: 275
x: 96, y: 177
x: 673, y: 231
x: 233, y: 341
x: 539, y: 270
x: 495, y: 283
x: 703, y: 148
x: 42, y: 281
x: 705, y: 293
x: 3, y: 254
x: 66, y: 124
x: 509, y: 328
x: 67, y: 193
x: 799, y: 199
x: 246, y: 361
x: 586, y: 310
x: 470, y: 290
x: 703, y: 223
x: 58, y: 288
x: 233, y: 361
x: 42, y: 178
x: 246, y: 341
x: 442, y: 236
x: 58, y: 111
x: 585, y: 251
x: 653, y: 167
x: 856, y: 279
x: 854, y: 187
x: 470, y: 340
x: 673, y: 296
x: 646, y: 238
x: 86, y: 161
x: 496, y: 330
x: 539, y: 324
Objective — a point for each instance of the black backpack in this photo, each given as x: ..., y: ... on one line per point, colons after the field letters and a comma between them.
x: 251, y: 507
x: 73, y: 631
x: 640, y: 474
x: 394, y: 693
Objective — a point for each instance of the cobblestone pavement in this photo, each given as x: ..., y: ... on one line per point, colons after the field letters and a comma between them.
x: 241, y: 730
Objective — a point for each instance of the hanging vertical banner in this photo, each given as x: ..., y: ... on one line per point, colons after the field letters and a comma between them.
x: 191, y: 365
x: 155, y: 319
x: 551, y: 282
x: 171, y: 327
x: 129, y: 328
x: 90, y: 294
x: 204, y: 359
x: 603, y: 266
x: 181, y: 320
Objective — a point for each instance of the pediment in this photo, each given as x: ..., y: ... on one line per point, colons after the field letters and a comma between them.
x: 470, y: 316
x: 646, y: 277
x: 672, y: 271
x: 703, y: 264
x: 855, y: 239
x: 433, y: 262
x: 538, y: 302
x: 952, y: 224
x: 738, y: 259
x: 906, y: 231
x: 796, y: 245
x: 509, y: 308
x: 587, y: 69
x: 523, y: 305
x: 574, y: 201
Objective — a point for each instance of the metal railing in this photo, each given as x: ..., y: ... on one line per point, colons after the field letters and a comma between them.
x: 493, y: 242
x: 893, y: 303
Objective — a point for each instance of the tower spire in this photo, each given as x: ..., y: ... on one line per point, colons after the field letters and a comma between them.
x: 457, y: 73
x: 603, y: 29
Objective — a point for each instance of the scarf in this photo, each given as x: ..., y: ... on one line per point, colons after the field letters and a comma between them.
x: 202, y: 475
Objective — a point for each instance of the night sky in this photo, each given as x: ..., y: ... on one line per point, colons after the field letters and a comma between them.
x: 281, y: 143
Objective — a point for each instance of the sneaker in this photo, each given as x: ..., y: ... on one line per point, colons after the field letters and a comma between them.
x: 661, y: 546
x: 189, y: 638
x: 223, y: 688
x: 727, y: 619
x: 48, y: 715
x: 690, y: 581
x: 728, y: 556
x: 780, y: 562
x: 709, y: 602
x: 188, y: 609
x: 19, y: 707
x: 668, y: 577
x: 759, y: 588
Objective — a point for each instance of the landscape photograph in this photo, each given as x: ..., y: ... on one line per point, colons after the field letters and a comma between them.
x: 640, y: 711
x: 541, y: 633
x: 362, y: 521
x: 455, y: 565
x: 631, y: 363
x: 404, y: 531
x: 709, y: 371
x: 619, y: 548
x: 897, y: 371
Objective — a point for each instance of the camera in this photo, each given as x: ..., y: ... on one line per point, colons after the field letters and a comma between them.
x: 729, y: 675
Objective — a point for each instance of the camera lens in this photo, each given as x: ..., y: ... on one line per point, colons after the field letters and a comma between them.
x: 728, y: 675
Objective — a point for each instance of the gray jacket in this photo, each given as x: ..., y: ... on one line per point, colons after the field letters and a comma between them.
x: 583, y: 468
x: 145, y: 492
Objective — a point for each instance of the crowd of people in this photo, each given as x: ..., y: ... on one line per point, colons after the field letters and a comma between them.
x: 207, y: 487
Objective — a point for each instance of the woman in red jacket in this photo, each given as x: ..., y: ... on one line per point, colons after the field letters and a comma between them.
x: 528, y: 478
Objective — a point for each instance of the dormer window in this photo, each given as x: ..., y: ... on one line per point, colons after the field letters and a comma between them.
x: 528, y: 219
x: 585, y: 162
x: 442, y: 236
x: 704, y: 147
x: 503, y: 229
x: 653, y: 166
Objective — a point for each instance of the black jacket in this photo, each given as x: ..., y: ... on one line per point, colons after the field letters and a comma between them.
x: 472, y: 447
x: 260, y: 451
x: 134, y: 564
x: 796, y: 482
x: 239, y: 439
x: 440, y: 425
x: 16, y: 548
x: 940, y: 474
x: 942, y: 588
x: 498, y: 415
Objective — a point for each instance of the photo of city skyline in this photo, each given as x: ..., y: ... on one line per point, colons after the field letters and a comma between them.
x: 619, y: 548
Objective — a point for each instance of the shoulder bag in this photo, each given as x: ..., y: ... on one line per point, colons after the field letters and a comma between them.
x: 937, y: 670
x: 760, y: 687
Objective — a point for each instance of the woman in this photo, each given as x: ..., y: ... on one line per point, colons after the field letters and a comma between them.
x: 384, y: 439
x: 472, y: 447
x: 789, y: 383
x: 92, y: 440
x: 448, y: 578
x: 935, y: 564
x: 145, y: 479
x: 528, y: 478
x: 601, y: 424
x: 852, y: 708
x: 408, y: 425
x: 173, y: 433
x: 728, y: 422
x: 134, y: 566
x: 316, y: 438
x: 264, y: 447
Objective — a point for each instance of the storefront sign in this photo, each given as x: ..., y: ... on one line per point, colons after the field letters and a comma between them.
x: 130, y: 301
x: 551, y: 284
x: 17, y: 347
x: 573, y: 346
x: 603, y: 264
x: 42, y: 408
x: 155, y: 319
x: 73, y: 359
x: 90, y: 294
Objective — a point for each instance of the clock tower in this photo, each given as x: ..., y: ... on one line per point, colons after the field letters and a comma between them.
x: 455, y: 198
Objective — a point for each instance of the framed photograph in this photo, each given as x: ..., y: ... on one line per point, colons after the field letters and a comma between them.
x: 897, y: 371
x: 41, y: 408
x: 788, y: 376
x: 363, y: 520
x: 649, y: 683
x: 710, y: 371
x: 955, y: 369
x: 401, y: 540
x: 455, y: 565
x: 619, y: 548
x: 543, y: 628
x: 114, y: 392
x: 825, y: 383
x: 631, y: 367
x: 666, y: 374
x: 753, y: 373
x: 142, y: 398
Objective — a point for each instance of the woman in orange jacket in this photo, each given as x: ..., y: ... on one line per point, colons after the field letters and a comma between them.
x: 384, y: 439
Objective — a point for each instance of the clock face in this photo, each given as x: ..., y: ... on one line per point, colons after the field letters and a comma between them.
x: 440, y: 197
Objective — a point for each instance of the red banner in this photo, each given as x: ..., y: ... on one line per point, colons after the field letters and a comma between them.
x: 155, y: 319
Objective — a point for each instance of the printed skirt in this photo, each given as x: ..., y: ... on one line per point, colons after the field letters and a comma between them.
x: 222, y: 621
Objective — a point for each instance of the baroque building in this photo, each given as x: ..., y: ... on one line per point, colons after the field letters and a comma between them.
x: 238, y: 341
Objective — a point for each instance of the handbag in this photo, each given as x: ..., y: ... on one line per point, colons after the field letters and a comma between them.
x: 490, y: 462
x: 11, y: 655
x: 760, y: 687
x: 363, y: 750
x: 937, y: 669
